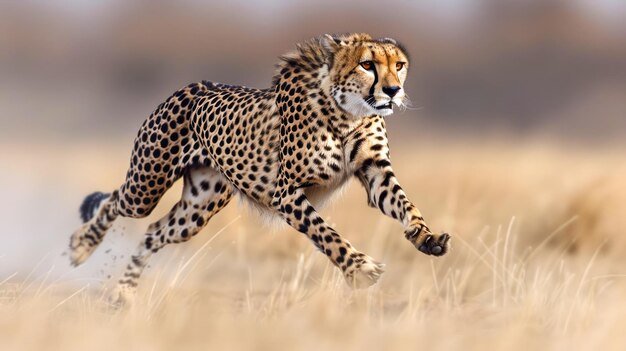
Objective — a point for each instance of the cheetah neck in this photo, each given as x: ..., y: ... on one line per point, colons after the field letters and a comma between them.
x: 306, y: 71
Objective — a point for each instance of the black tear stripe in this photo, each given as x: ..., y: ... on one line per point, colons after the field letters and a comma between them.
x: 372, y: 88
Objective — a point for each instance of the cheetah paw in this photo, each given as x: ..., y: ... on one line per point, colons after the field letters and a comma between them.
x: 428, y: 243
x: 122, y: 296
x: 366, y: 274
x: 80, y: 248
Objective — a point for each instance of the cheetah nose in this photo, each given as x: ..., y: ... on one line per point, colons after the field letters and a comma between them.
x: 391, y: 91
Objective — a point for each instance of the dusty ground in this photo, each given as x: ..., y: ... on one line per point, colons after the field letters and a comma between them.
x: 537, y: 260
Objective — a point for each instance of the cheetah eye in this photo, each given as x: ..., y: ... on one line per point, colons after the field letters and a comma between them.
x: 399, y: 66
x: 367, y: 65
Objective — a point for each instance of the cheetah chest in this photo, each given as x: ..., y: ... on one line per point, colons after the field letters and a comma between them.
x: 329, y: 176
x: 322, y: 195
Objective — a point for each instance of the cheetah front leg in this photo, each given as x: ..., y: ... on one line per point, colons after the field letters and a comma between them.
x: 359, y: 270
x: 368, y: 153
x: 385, y: 193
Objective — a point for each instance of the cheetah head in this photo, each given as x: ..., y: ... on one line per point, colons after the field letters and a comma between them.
x: 366, y: 75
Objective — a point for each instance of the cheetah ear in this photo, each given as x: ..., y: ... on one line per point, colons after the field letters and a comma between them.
x: 332, y: 44
x: 388, y: 40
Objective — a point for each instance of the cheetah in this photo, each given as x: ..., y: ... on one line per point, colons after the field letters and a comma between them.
x: 285, y: 149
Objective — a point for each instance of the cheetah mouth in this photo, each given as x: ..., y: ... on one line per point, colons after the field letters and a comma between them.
x: 385, y: 106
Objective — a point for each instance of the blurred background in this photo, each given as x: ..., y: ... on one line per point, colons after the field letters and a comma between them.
x: 77, y: 69
x: 515, y: 144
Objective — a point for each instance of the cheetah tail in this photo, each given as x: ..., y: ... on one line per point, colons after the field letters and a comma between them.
x: 90, y: 205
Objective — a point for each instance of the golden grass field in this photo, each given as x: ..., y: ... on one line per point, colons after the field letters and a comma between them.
x: 537, y: 262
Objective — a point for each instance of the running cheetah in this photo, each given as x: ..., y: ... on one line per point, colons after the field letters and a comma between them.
x: 285, y: 149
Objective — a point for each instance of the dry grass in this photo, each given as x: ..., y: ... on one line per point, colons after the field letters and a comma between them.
x: 537, y: 263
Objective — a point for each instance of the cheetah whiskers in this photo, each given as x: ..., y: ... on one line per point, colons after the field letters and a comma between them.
x: 407, y: 104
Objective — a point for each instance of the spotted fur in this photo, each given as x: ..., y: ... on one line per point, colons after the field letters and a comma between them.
x: 285, y: 149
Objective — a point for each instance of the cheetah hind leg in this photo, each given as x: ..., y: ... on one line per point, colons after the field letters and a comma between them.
x: 205, y: 193
x: 98, y: 212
